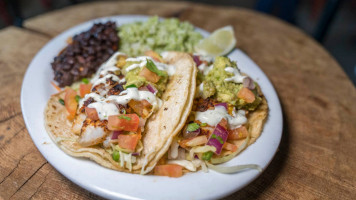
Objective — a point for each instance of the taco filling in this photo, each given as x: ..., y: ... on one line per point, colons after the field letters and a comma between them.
x: 109, y: 113
x: 227, y: 115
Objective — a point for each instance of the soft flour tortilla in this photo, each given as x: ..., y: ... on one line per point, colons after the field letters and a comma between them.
x: 255, y: 122
x: 160, y: 133
x: 159, y: 130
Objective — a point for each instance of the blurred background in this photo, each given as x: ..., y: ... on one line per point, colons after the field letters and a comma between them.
x: 330, y: 22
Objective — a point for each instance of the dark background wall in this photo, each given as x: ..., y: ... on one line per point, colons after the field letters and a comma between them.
x: 331, y: 22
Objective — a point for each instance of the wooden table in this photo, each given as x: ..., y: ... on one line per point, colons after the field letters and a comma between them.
x: 316, y: 158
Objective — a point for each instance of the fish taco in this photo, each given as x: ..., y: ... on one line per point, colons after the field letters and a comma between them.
x: 124, y: 117
x: 228, y: 114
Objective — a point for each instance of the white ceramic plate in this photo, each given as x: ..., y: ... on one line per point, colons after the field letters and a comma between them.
x: 36, y: 90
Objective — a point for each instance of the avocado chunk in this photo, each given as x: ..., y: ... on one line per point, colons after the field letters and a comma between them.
x: 133, y: 78
x: 215, y: 85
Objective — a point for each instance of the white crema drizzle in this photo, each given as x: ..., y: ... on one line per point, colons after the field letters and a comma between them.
x: 106, y: 67
x: 106, y: 107
x: 213, y: 117
x: 170, y: 69
x: 237, y: 77
x: 203, y: 68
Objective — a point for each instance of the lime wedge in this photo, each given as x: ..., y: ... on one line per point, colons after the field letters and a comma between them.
x: 219, y: 43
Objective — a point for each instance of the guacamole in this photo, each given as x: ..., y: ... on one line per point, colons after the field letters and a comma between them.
x: 133, y: 78
x: 158, y: 35
x: 215, y: 84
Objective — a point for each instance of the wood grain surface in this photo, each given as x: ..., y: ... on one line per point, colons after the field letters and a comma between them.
x: 315, y: 159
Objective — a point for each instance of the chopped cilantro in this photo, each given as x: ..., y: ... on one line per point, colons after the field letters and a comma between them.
x: 131, y: 86
x: 116, y: 156
x: 85, y: 80
x: 192, y: 127
x: 124, y: 117
x: 153, y: 68
x: 77, y: 98
x: 207, y: 155
x: 61, y: 101
x: 218, y: 138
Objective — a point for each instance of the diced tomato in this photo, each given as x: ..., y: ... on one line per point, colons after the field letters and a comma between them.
x: 148, y: 75
x: 154, y: 55
x: 195, y: 141
x: 247, y: 95
x: 128, y: 141
x: 142, y: 108
x: 56, y: 86
x: 70, y: 103
x: 230, y: 147
x: 169, y: 170
x: 238, y: 133
x: 124, y: 122
x: 91, y: 113
x: 84, y: 89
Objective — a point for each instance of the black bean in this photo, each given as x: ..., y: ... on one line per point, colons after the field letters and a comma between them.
x: 86, y: 53
x: 70, y: 60
x: 80, y: 59
x: 67, y: 79
x: 74, y: 71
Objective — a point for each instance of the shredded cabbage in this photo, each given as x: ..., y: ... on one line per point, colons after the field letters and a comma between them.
x: 233, y: 169
x: 118, y: 148
x: 184, y: 163
x: 128, y: 160
x: 200, y: 149
x: 200, y: 163
x: 190, y: 165
x: 173, y: 150
x: 204, y: 167
x: 133, y: 159
x: 125, y: 159
x: 122, y: 162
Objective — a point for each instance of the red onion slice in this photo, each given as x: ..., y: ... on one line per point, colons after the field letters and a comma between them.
x: 115, y: 134
x: 221, y: 104
x: 151, y: 88
x: 197, y: 60
x: 248, y: 83
x: 218, y: 138
x: 135, y: 154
